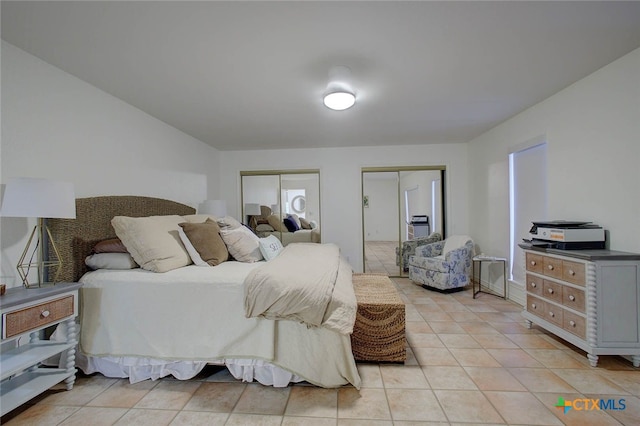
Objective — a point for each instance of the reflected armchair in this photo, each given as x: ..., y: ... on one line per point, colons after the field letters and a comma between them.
x: 444, y: 265
x: 409, y: 248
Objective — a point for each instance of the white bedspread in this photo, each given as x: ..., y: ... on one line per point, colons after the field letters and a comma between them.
x: 197, y: 314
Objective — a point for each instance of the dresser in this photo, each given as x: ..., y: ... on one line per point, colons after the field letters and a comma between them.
x: 25, y: 312
x: 589, y: 298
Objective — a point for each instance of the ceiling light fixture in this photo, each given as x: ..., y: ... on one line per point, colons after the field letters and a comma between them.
x: 339, y: 94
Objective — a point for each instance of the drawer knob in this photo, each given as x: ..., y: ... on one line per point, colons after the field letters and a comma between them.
x: 551, y: 314
x: 572, y: 272
x: 533, y: 263
x: 572, y: 323
x: 533, y: 285
x: 45, y: 314
x: 550, y: 291
x: 572, y: 297
x: 533, y: 305
x: 550, y: 267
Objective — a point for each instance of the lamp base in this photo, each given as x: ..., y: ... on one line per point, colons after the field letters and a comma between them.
x: 45, y: 268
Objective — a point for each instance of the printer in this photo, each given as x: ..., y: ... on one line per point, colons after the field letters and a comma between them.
x: 567, y: 235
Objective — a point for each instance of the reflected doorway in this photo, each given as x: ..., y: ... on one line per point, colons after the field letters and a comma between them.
x: 400, y: 205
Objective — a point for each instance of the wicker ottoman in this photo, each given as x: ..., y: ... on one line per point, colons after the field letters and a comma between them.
x: 379, y: 330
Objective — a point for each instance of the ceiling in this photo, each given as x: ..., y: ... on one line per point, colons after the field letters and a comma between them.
x: 250, y: 75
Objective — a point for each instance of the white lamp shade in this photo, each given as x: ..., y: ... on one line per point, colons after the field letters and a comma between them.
x: 36, y: 197
x: 252, y: 209
x: 217, y: 208
x: 339, y: 101
x: 275, y: 208
x: 339, y: 94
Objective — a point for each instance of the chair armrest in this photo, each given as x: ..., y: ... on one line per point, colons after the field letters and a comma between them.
x: 460, y: 258
x: 430, y: 250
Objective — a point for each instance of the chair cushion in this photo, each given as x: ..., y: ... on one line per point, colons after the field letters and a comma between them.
x: 431, y: 263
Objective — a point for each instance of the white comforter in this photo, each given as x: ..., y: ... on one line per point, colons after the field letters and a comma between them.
x: 308, y: 283
x: 197, y: 314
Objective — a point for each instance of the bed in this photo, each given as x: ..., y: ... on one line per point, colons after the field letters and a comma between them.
x: 146, y: 325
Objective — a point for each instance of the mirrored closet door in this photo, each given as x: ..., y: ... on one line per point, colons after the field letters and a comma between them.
x: 283, y: 203
x: 400, y: 207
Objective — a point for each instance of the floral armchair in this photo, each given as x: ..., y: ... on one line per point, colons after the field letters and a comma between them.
x: 444, y: 265
x: 409, y: 248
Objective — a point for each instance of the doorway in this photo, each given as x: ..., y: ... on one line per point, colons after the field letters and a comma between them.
x: 399, y: 204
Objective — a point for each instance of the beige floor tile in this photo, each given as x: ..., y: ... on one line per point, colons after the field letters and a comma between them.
x: 627, y: 380
x: 169, y: 395
x: 358, y: 422
x: 434, y: 356
x: 370, y: 375
x: 424, y: 340
x: 481, y: 307
x: 363, y: 404
x: 95, y: 416
x: 522, y: 408
x: 446, y: 377
x: 458, y: 341
x: 41, y: 415
x: 259, y: 399
x: 147, y: 417
x: 309, y: 421
x: 513, y: 328
x: 629, y: 414
x: 498, y: 379
x: 253, y: 420
x: 514, y: 358
x: 418, y: 327
x: 474, y: 357
x: 530, y: 341
x: 541, y: 380
x: 199, y: 418
x: 494, y: 341
x: 453, y: 307
x: 495, y: 317
x: 475, y: 328
x: 123, y: 394
x: 589, y: 381
x: 309, y: 401
x: 466, y: 316
x: 467, y: 406
x: 446, y: 327
x: 217, y: 397
x: 575, y: 417
x: 555, y: 358
x: 411, y: 358
x: 403, y: 377
x: 432, y: 317
x: 84, y: 390
x: 414, y: 405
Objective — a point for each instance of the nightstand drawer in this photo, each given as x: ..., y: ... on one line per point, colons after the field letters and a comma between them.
x: 24, y: 320
x: 554, y: 314
x: 534, y: 285
x: 573, y: 272
x: 534, y: 263
x: 536, y: 306
x: 552, y: 267
x: 552, y: 291
x: 573, y: 298
x: 574, y: 324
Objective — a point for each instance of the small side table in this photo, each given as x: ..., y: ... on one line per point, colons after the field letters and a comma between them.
x: 488, y: 259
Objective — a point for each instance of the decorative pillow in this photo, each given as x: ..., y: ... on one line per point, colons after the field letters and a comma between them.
x: 290, y: 224
x: 112, y: 245
x: 296, y: 219
x: 263, y: 227
x: 276, y: 223
x: 243, y: 244
x: 153, y: 241
x: 313, y: 224
x: 228, y: 222
x: 110, y: 261
x: 270, y: 247
x: 205, y: 239
x: 193, y: 253
x: 223, y: 222
x: 304, y: 223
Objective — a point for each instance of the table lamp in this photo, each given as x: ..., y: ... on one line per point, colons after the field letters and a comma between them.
x: 42, y: 199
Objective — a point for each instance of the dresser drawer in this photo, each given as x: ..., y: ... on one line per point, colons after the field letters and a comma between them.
x: 534, y: 263
x: 573, y: 272
x: 573, y: 298
x: 552, y: 291
x: 552, y: 267
x: 536, y: 306
x: 24, y: 320
x: 553, y: 313
x: 534, y: 285
x: 574, y: 324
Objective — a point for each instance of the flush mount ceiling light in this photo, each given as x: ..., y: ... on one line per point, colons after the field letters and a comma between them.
x: 339, y: 94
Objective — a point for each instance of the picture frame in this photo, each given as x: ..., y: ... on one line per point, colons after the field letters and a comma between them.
x: 365, y: 201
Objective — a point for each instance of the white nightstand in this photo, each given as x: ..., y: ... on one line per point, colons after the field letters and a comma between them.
x: 24, y: 313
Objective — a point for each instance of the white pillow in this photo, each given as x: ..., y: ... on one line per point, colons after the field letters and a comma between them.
x: 243, y: 244
x: 270, y: 247
x: 193, y: 253
x: 110, y: 261
x: 153, y: 241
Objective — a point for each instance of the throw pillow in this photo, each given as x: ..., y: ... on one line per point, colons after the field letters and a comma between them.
x: 243, y: 244
x: 206, y: 240
x: 110, y: 261
x: 112, y: 245
x: 304, y: 223
x: 290, y: 224
x: 270, y: 247
x: 276, y: 223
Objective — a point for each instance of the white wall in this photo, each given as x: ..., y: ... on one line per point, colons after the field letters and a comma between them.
x: 57, y: 126
x: 340, y: 185
x: 592, y: 129
x: 381, y: 217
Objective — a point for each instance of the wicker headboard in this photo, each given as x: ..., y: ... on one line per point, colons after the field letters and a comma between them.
x: 75, y: 238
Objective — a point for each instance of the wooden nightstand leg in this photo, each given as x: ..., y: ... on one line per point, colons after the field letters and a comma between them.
x: 71, y: 353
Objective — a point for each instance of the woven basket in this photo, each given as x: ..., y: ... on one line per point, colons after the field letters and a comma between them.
x: 379, y: 330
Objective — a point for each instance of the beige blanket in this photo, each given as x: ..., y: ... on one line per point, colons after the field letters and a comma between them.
x: 306, y: 282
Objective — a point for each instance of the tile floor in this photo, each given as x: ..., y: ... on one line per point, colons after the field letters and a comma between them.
x: 469, y: 362
x: 380, y: 257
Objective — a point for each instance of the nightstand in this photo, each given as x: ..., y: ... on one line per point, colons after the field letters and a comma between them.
x: 25, y: 312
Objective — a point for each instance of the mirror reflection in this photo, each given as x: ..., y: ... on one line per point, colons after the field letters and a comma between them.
x: 402, y: 209
x: 283, y: 204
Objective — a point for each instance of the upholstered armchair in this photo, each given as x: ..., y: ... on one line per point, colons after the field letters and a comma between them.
x: 444, y: 265
x: 409, y: 248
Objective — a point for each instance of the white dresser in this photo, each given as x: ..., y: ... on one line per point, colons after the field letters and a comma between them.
x: 589, y: 298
